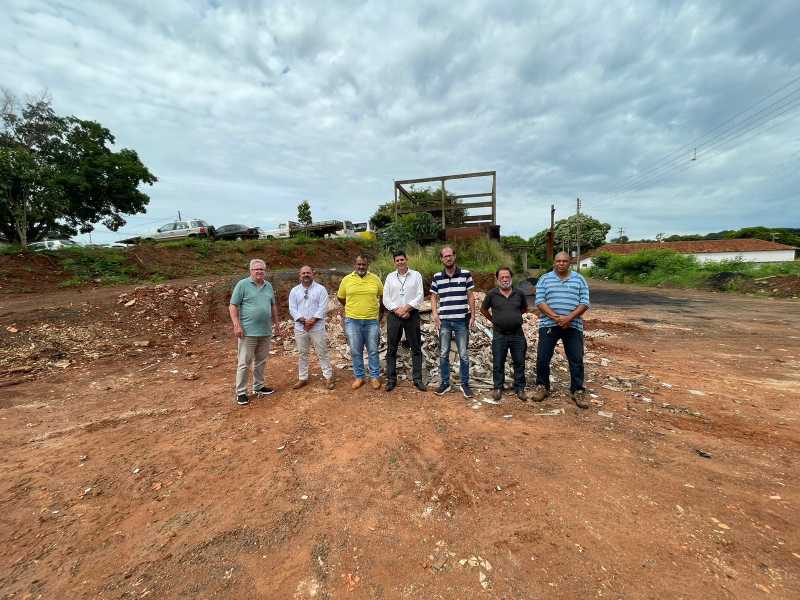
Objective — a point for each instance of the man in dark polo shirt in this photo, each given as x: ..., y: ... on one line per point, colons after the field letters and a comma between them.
x: 504, y: 307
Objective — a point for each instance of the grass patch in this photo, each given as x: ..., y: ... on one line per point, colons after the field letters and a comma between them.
x: 481, y: 255
x: 100, y: 265
x: 668, y: 268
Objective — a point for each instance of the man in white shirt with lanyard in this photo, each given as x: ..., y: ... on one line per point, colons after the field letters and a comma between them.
x: 402, y: 296
x: 308, y: 303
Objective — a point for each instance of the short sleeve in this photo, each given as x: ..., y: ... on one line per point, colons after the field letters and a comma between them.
x: 584, y: 292
x: 434, y: 286
x: 540, y: 292
x: 238, y: 294
x: 470, y: 283
x: 342, y: 293
x: 487, y: 302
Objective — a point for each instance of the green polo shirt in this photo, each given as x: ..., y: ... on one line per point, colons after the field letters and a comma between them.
x: 255, y: 306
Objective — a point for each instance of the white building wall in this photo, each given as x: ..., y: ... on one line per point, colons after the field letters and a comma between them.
x: 763, y: 256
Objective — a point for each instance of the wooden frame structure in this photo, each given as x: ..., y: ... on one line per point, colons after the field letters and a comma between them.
x: 468, y: 220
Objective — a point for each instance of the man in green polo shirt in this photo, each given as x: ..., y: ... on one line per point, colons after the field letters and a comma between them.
x: 361, y: 292
x: 253, y: 310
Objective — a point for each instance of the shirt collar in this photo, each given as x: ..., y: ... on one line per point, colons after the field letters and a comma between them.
x: 456, y: 273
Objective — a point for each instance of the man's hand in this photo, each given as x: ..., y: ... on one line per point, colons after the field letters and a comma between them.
x: 237, y: 330
x: 309, y: 323
x: 563, y: 321
x: 472, y: 321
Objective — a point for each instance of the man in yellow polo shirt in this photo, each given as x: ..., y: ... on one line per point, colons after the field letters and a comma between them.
x: 361, y: 292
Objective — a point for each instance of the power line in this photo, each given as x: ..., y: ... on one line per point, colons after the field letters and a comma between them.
x: 705, y: 143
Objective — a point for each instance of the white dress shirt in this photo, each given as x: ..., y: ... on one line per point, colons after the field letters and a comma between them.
x: 308, y: 303
x: 402, y: 289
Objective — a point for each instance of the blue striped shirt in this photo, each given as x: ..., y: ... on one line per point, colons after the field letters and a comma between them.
x: 562, y: 296
x: 452, y: 292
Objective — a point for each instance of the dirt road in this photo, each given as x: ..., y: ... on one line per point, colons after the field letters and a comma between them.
x: 131, y: 474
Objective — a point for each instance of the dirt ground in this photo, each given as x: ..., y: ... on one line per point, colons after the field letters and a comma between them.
x: 128, y: 472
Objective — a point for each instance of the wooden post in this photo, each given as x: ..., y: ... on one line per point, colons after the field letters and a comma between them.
x: 494, y: 199
x: 524, y: 262
x: 551, y: 234
x: 396, y: 199
x: 444, y: 221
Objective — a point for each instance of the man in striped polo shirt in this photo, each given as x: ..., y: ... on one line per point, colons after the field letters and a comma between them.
x: 453, y: 308
x: 562, y: 296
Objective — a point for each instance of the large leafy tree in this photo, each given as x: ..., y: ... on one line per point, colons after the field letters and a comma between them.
x: 430, y: 199
x: 59, y: 175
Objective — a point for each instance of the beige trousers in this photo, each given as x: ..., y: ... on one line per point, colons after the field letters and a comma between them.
x: 253, y: 352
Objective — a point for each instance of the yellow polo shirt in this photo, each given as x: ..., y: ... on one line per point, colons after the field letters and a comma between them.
x: 362, y: 294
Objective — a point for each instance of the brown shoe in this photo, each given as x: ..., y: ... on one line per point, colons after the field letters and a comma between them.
x: 497, y: 394
x: 376, y: 384
x: 522, y: 395
x: 331, y: 383
x: 357, y: 383
x: 539, y: 393
x: 579, y: 398
x: 300, y: 383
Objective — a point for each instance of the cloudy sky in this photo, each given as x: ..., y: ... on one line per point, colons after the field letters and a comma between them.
x: 244, y: 108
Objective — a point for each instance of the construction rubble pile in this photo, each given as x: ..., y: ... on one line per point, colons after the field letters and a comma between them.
x: 480, y: 350
x: 143, y: 317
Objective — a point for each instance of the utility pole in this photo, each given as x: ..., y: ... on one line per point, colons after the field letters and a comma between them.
x: 621, y: 232
x: 551, y: 234
x: 578, y: 235
x: 179, y: 216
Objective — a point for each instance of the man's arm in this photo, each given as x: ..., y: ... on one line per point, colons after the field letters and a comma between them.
x: 276, y: 317
x: 485, y: 308
x: 233, y: 310
x: 437, y: 322
x: 294, y: 307
x: 473, y: 306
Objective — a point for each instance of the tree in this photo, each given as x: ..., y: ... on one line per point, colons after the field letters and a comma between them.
x: 418, y: 227
x: 58, y: 175
x: 623, y: 239
x: 304, y: 213
x: 593, y: 234
x: 431, y: 200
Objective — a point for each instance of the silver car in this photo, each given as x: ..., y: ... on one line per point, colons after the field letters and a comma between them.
x: 192, y: 228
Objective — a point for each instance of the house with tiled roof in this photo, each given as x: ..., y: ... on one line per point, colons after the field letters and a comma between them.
x: 745, y: 249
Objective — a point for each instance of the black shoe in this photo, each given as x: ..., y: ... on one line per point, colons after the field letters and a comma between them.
x: 443, y: 389
x: 390, y: 385
x: 242, y: 400
x: 420, y: 386
x: 263, y: 391
x: 467, y: 391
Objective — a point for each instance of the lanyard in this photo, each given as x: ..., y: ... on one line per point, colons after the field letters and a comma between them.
x: 402, y: 282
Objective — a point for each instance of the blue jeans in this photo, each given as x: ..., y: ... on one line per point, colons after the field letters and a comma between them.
x: 460, y: 329
x: 361, y: 332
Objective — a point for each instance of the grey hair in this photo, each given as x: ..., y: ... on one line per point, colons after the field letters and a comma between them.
x: 257, y: 261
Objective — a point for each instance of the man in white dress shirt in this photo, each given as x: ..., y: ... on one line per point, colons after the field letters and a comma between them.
x: 308, y: 303
x: 402, y: 296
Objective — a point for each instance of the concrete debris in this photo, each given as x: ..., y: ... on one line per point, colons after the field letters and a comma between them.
x: 603, y: 413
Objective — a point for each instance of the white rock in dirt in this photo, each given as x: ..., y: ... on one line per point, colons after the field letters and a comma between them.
x: 696, y: 393
x: 130, y: 302
x: 603, y: 413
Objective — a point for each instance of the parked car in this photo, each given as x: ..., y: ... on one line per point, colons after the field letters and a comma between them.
x: 282, y: 231
x: 191, y: 228
x: 237, y: 232
x: 52, y: 245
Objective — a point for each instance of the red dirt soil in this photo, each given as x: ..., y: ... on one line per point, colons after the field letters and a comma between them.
x: 134, y: 475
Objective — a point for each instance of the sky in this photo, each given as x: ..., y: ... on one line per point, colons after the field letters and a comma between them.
x: 663, y: 117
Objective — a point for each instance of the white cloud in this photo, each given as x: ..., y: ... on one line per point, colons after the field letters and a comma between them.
x: 244, y: 109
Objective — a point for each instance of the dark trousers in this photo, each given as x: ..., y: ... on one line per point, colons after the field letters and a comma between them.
x: 573, y: 348
x: 395, y: 327
x: 502, y: 343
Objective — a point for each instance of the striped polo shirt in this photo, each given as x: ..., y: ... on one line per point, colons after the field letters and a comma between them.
x: 562, y: 296
x: 452, y: 292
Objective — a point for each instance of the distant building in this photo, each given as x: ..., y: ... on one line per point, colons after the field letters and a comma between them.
x: 747, y: 250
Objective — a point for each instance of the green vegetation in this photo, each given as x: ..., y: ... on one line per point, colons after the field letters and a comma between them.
x: 59, y: 175
x: 101, y: 265
x: 666, y: 267
x: 781, y: 235
x: 480, y: 255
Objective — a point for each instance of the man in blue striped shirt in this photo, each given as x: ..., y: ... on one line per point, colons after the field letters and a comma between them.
x: 453, y: 308
x: 562, y: 296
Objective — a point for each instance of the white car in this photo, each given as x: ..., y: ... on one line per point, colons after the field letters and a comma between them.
x: 52, y: 245
x: 191, y: 228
